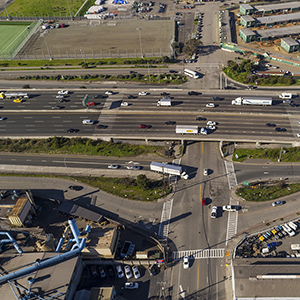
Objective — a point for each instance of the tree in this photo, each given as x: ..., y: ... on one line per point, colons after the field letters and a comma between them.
x: 142, y: 181
x: 190, y: 46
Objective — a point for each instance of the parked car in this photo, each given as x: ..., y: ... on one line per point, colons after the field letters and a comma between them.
x: 131, y: 285
x: 152, y: 270
x: 136, y: 272
x: 213, y: 214
x: 94, y: 271
x: 229, y: 208
x: 120, y: 271
x: 128, y: 273
x: 113, y: 166
x: 110, y: 271
x: 186, y: 263
x: 102, y: 272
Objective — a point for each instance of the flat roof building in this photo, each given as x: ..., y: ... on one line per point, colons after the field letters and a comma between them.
x: 287, y: 6
x: 268, y: 34
x: 289, y: 44
x: 246, y: 9
x: 277, y: 19
x: 247, y: 35
x: 247, y: 21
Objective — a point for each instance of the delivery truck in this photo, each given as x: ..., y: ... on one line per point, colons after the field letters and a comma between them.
x: 190, y: 129
x: 13, y: 95
x: 164, y: 102
x: 252, y: 101
x: 165, y: 168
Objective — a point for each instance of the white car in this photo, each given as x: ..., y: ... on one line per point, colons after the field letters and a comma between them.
x: 133, y: 167
x: 211, y: 123
x: 87, y: 122
x: 205, y: 172
x: 211, y: 127
x: 113, y: 166
x: 143, y: 93
x: 229, y: 208
x: 136, y: 272
x: 120, y: 271
x: 186, y: 263
x: 109, y: 93
x: 128, y: 273
x: 63, y: 92
x: 213, y: 214
x: 2, y: 118
x: 298, y: 135
x: 124, y: 104
x: 210, y: 105
x: 60, y: 96
x: 131, y: 285
x: 287, y: 101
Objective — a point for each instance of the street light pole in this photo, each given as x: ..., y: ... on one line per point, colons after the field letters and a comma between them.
x: 139, y: 30
x: 66, y: 164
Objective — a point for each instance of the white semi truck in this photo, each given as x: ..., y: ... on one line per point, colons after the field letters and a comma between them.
x: 190, y: 129
x: 164, y: 102
x: 165, y: 168
x: 252, y: 101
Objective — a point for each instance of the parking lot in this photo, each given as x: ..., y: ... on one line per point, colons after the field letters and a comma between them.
x: 274, y: 242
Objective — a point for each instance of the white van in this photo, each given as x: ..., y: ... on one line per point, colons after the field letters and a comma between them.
x: 286, y: 96
x: 287, y: 229
x: 87, y: 122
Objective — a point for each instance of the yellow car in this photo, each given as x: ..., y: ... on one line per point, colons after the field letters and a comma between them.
x: 18, y: 100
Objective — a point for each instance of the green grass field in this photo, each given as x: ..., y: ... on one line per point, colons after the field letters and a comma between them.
x: 11, y: 35
x: 44, y: 8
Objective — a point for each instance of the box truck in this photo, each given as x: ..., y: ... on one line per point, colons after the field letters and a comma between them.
x: 252, y: 101
x: 164, y: 102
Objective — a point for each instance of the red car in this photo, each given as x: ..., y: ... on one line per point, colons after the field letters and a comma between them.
x: 91, y: 103
x: 203, y: 201
x: 144, y: 126
x: 62, y: 25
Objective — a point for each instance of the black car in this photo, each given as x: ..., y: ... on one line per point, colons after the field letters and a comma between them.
x: 200, y: 119
x: 271, y: 125
x: 169, y: 122
x: 98, y: 96
x: 75, y: 187
x: 192, y: 93
x: 72, y: 130
x: 216, y: 98
x: 61, y: 100
x: 173, y: 71
x: 279, y: 129
x: 164, y: 94
x: 228, y: 87
x: 56, y: 107
x: 130, y: 97
x: 110, y: 271
x: 99, y: 126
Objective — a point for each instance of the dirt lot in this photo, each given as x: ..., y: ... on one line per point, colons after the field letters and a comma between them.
x: 105, y: 40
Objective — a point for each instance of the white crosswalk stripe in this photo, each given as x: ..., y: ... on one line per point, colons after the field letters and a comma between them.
x: 198, y: 254
x: 163, y: 230
x: 230, y: 174
x: 232, y: 223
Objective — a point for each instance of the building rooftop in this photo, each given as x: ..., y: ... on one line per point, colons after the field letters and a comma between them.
x: 250, y: 284
x: 247, y: 18
x: 290, y: 41
x: 278, y: 18
x: 247, y: 31
x: 48, y: 281
x: 278, y: 32
x: 280, y: 6
x: 246, y: 6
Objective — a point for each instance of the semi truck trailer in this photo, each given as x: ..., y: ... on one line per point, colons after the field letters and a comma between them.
x: 164, y: 102
x: 13, y: 95
x: 252, y: 101
x: 190, y: 129
x: 165, y: 168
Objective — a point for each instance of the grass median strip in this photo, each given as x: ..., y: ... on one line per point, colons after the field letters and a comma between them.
x: 266, y: 191
x: 139, y: 189
x: 83, y: 146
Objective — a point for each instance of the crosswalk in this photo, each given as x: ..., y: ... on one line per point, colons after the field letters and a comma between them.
x: 229, y: 167
x: 231, y: 223
x: 200, y: 253
x: 163, y: 230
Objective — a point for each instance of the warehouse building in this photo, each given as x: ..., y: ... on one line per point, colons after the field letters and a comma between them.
x: 248, y: 35
x: 289, y: 44
x: 246, y: 9
x: 247, y: 21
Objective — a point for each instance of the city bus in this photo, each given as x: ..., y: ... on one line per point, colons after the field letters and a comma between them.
x: 191, y: 73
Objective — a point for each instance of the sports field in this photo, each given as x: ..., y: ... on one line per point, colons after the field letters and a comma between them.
x: 11, y: 35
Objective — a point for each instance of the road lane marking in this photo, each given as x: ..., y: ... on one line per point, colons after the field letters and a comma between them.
x: 230, y: 172
x: 163, y: 230
x: 200, y: 253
